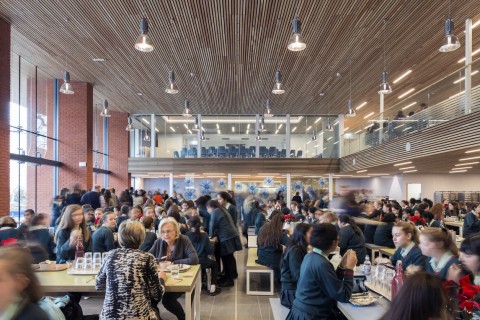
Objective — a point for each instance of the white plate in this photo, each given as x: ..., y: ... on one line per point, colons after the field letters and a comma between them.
x: 364, y: 300
x: 183, y: 267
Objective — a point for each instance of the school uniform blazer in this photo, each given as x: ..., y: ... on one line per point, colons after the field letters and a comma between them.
x: 350, y: 240
x: 444, y: 271
x: 414, y: 257
x: 291, y: 262
x: 383, y: 235
x: 471, y: 224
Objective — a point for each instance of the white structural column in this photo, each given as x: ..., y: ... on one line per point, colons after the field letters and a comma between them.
x: 153, y: 136
x: 288, y: 135
x: 289, y: 188
x: 257, y: 129
x: 380, y: 131
x: 229, y: 182
x: 468, y: 64
x: 341, y: 125
x: 170, y: 183
x: 199, y: 136
x: 330, y: 186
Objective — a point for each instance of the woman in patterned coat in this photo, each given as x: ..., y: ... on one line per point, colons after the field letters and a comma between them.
x: 133, y: 285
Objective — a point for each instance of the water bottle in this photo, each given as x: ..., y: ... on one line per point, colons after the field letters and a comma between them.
x: 367, y: 266
x: 397, y: 281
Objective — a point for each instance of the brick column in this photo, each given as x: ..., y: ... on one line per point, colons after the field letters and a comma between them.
x: 76, y: 136
x: 5, y: 36
x: 118, y: 143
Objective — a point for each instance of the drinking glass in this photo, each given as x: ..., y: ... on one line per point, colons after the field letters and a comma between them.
x: 88, y: 266
x: 383, y: 277
x: 97, y: 255
x: 88, y: 255
x: 175, y: 270
x: 79, y: 263
x: 104, y: 255
x: 96, y: 265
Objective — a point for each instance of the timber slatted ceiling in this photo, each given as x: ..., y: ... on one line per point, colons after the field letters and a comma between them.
x: 433, y: 150
x: 225, y: 52
x: 236, y: 166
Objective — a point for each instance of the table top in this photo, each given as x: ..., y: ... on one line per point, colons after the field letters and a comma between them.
x: 388, y: 251
x: 453, y: 223
x: 60, y: 281
x: 373, y: 311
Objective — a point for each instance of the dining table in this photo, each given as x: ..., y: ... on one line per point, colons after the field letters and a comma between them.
x: 189, y: 282
x: 455, y: 224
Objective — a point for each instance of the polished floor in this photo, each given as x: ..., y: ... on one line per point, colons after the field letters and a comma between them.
x: 231, y: 304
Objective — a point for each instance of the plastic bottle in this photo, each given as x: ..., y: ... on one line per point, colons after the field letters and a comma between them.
x: 397, y: 281
x: 367, y: 266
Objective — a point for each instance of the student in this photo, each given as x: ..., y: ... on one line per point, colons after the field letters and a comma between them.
x: 297, y: 198
x: 71, y: 230
x: 320, y: 286
x: 150, y: 212
x: 38, y: 232
x: 135, y: 213
x: 8, y: 229
x: 442, y: 252
x: 437, y: 212
x: 292, y: 260
x: 225, y: 200
x: 301, y: 214
x: 470, y: 259
x: 27, y: 218
x: 471, y: 223
x: 260, y: 219
x: 406, y: 239
x: 421, y: 297
x: 150, y: 235
x: 124, y: 211
x: 351, y: 237
x: 430, y: 221
x: 203, y: 246
x: 103, y: 239
x: 20, y: 291
x: 311, y: 215
x: 270, y: 240
x: 383, y: 233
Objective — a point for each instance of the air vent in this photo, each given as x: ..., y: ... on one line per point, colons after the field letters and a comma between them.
x: 245, y: 138
x: 225, y: 138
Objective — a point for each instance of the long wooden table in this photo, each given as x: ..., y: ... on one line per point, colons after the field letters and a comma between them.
x: 456, y: 224
x: 190, y: 284
x: 387, y: 251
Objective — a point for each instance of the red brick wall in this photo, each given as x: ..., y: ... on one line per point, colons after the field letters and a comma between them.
x: 4, y: 117
x: 75, y: 136
x: 118, y: 143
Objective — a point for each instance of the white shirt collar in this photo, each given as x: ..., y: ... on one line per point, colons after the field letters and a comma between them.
x: 437, y: 266
x: 404, y: 252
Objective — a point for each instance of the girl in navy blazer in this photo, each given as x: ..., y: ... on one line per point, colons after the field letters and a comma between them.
x: 405, y: 237
x: 442, y: 252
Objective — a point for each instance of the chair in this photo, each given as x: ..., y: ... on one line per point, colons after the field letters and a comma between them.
x: 251, y: 152
x: 272, y: 152
x: 299, y: 153
x: 192, y: 152
x: 283, y: 153
x: 204, y: 152
x: 212, y: 152
x: 231, y: 152
x: 222, y: 152
x: 175, y: 154
x: 292, y: 153
x: 183, y: 153
x: 263, y: 152
x: 243, y: 152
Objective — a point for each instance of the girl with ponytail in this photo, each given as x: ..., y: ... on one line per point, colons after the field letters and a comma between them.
x: 351, y: 237
x: 406, y: 239
x: 441, y: 251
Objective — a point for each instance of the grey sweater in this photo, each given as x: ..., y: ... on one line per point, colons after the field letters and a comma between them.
x: 183, y: 253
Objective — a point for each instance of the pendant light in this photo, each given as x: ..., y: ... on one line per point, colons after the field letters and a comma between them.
x: 278, y: 86
x: 187, y: 112
x: 104, y: 112
x: 384, y: 86
x: 258, y: 137
x: 202, y: 137
x: 129, y: 124
x: 296, y: 42
x: 450, y: 41
x: 314, y: 137
x: 329, y: 126
x: 351, y: 112
x: 268, y: 111
x: 66, y: 87
x: 196, y: 127
x: 146, y: 137
x: 262, y: 124
x: 144, y: 43
x: 172, y: 86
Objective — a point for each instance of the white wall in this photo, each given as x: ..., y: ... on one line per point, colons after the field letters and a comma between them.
x: 391, y: 186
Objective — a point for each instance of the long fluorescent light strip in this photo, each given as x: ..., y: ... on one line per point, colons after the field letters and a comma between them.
x: 346, y: 128
x: 406, y: 93
x: 309, y: 128
x: 408, y: 106
x: 458, y: 171
x: 473, y: 53
x: 360, y: 171
x: 369, y: 115
x: 461, y: 168
x: 409, y: 171
x: 361, y: 106
x: 171, y: 128
x: 401, y: 164
x: 472, y: 151
x: 294, y: 129
x: 463, y: 78
x: 406, y: 168
x: 358, y: 131
x: 403, y: 76
x: 145, y: 120
x: 318, y: 120
x: 466, y: 164
x: 471, y: 158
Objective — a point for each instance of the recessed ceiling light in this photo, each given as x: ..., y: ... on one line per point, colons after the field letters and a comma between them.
x: 406, y: 168
x: 139, y: 93
x: 408, y: 106
x: 358, y: 131
x: 466, y: 164
x: 458, y: 171
x: 471, y: 158
x: 360, y: 171
x: 402, y: 76
x: 369, y: 115
x: 402, y: 163
x: 368, y: 126
x: 472, y: 151
x: 99, y: 59
x: 145, y: 120
x: 461, y: 168
x: 318, y: 120
x: 463, y: 78
x: 171, y: 128
x: 378, y: 174
x: 293, y: 130
x: 157, y: 130
x: 456, y: 95
x: 361, y: 105
x: 406, y: 93
x: 310, y: 127
x: 329, y: 139
x: 473, y: 53
x: 409, y: 171
x: 346, y: 128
